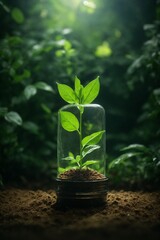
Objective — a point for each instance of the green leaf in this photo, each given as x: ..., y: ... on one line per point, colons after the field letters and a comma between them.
x: 88, y: 149
x: 92, y: 139
x: 91, y: 91
x: 72, y: 160
x: 78, y: 90
x: 77, y: 85
x: 4, y: 7
x: 59, y: 53
x: 43, y: 86
x: 31, y: 127
x: 61, y: 170
x: 69, y: 158
x: 17, y: 15
x: 103, y: 50
x: 148, y: 27
x: 67, y: 45
x: 46, y: 108
x: 136, y: 147
x: 89, y: 162
x: 122, y: 158
x: 30, y: 91
x: 13, y: 117
x: 66, y: 93
x: 69, y: 121
x: 78, y: 158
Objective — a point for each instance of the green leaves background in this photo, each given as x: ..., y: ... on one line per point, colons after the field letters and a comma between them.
x: 50, y: 52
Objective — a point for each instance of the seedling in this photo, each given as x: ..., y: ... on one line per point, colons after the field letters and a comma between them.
x: 80, y: 96
x: 81, y: 176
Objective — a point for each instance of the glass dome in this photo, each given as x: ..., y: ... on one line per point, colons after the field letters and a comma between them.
x: 81, y: 142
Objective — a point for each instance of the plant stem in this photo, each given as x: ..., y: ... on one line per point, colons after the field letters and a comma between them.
x: 80, y: 135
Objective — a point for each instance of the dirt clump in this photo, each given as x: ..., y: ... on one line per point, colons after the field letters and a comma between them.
x: 86, y: 174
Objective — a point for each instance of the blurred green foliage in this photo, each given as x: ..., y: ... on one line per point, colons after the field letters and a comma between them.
x: 140, y: 165
x: 45, y: 42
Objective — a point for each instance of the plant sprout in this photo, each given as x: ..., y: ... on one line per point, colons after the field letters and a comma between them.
x: 80, y: 96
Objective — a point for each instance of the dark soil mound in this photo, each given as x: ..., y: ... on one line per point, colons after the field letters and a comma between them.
x: 81, y: 175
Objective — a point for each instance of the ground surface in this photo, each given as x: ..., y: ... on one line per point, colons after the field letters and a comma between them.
x: 31, y: 214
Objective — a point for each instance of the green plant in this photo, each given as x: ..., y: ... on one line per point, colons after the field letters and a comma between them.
x: 139, y: 163
x: 80, y: 96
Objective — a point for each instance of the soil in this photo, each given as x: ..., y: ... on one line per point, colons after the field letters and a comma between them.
x: 31, y: 214
x: 81, y: 175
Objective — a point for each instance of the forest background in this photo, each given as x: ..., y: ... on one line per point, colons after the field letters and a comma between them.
x: 46, y: 41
